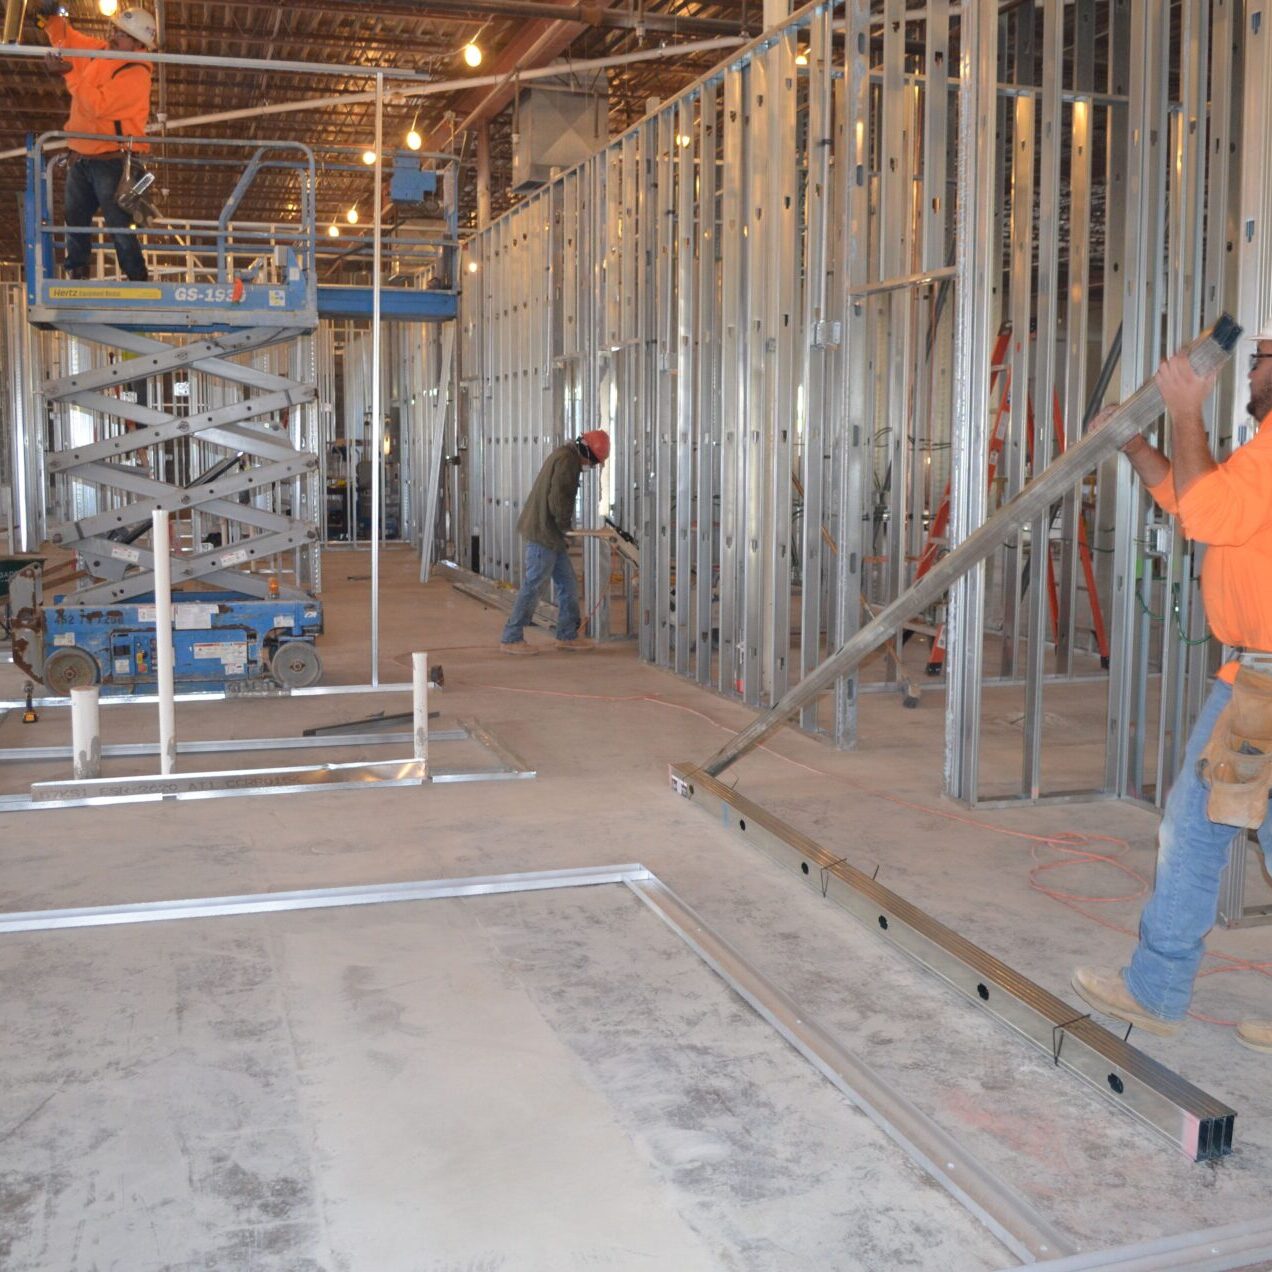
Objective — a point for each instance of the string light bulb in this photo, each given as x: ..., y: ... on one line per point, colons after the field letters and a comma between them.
x: 472, y: 267
x: 368, y: 157
x: 352, y: 215
x: 333, y: 230
x: 413, y: 140
x: 108, y: 8
x: 801, y: 58
x: 472, y: 53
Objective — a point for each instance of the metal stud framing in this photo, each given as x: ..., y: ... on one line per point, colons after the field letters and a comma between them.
x: 796, y: 321
x: 780, y: 301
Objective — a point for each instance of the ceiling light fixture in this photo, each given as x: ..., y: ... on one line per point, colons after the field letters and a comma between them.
x: 368, y: 157
x: 801, y: 58
x: 472, y: 267
x: 333, y: 230
x: 108, y: 8
x: 352, y: 215
x: 472, y: 53
x: 413, y: 140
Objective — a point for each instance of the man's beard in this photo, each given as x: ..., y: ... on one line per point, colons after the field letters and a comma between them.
x: 1260, y: 404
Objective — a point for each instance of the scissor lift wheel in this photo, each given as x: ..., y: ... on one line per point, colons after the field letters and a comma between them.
x: 67, y: 669
x: 295, y: 665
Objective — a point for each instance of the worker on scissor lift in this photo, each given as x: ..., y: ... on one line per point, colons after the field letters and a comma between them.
x: 1222, y: 787
x: 109, y: 96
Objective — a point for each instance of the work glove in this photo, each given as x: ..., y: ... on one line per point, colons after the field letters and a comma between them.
x: 57, y: 65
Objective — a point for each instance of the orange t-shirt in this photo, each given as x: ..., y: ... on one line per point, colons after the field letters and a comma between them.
x: 1230, y: 510
x: 103, y: 90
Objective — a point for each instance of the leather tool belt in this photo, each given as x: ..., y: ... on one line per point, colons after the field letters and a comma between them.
x: 1236, y: 763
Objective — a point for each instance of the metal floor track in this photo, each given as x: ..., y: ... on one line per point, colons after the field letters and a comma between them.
x: 1195, y: 1123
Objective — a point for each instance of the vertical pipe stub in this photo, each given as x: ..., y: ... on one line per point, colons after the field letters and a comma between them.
x: 163, y: 641
x: 419, y: 703
x: 86, y: 737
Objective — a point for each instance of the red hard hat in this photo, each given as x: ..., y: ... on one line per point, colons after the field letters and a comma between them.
x: 597, y: 441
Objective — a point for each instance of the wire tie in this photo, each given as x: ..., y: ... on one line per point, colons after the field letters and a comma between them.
x: 825, y: 873
x: 1057, y: 1036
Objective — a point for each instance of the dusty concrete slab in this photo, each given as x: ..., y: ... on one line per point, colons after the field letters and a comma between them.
x: 601, y: 730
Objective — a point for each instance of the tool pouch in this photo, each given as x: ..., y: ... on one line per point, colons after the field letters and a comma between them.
x: 1236, y: 762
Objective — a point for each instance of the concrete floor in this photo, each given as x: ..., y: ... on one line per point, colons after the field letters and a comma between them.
x: 553, y: 1081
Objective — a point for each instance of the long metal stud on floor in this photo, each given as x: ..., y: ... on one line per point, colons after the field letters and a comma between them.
x: 1235, y: 1245
x: 266, y: 694
x: 222, y: 784
x: 216, y: 746
x: 1006, y: 1214
x: 1194, y: 1122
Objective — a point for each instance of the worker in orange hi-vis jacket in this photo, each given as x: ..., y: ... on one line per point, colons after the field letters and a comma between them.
x: 109, y: 96
x: 1222, y: 787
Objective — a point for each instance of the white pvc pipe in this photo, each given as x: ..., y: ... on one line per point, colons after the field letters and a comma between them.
x: 419, y: 704
x: 377, y: 422
x: 86, y: 732
x: 207, y: 59
x: 163, y: 639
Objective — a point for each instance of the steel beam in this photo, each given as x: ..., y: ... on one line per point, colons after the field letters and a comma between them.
x: 1195, y: 1123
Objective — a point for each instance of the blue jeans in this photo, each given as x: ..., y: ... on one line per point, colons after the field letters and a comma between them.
x: 541, y: 564
x: 1191, y: 854
x: 90, y: 184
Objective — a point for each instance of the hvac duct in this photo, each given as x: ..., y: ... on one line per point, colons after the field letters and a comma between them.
x: 555, y: 128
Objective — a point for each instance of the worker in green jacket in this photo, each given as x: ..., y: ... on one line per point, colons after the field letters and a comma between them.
x: 546, y: 518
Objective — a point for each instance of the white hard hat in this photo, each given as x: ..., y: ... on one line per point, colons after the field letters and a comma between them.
x: 139, y: 24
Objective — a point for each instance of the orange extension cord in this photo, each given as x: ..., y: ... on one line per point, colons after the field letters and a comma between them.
x: 1074, y: 849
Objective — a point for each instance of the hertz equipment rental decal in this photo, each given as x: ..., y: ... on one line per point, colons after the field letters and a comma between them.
x: 98, y: 292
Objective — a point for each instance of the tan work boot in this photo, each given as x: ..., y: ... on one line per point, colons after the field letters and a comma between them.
x: 1255, y: 1034
x: 518, y: 648
x: 579, y: 642
x: 1105, y: 990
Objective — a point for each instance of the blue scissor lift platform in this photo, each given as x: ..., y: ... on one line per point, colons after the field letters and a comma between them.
x: 253, y: 625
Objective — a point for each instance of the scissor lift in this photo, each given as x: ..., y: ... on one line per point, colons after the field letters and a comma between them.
x: 249, y: 626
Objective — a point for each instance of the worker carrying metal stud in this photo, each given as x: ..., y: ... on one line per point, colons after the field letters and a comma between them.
x: 1227, y: 769
x: 109, y: 96
x: 545, y: 520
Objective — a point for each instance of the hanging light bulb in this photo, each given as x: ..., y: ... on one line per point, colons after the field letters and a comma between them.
x: 368, y: 157
x: 801, y: 58
x: 472, y: 267
x: 352, y: 215
x: 472, y: 53
x: 108, y: 8
x: 413, y: 140
x: 333, y: 230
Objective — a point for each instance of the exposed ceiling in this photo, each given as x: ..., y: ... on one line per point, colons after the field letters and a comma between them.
x: 400, y: 35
